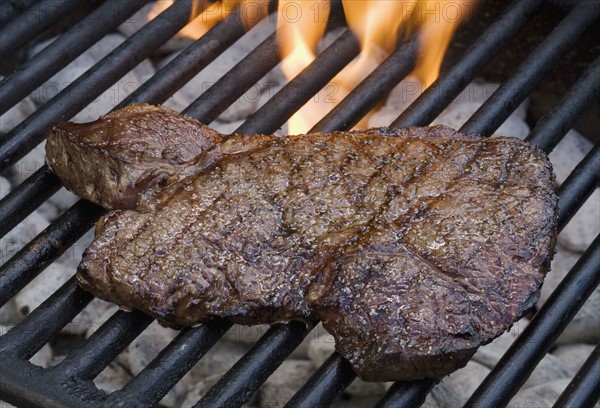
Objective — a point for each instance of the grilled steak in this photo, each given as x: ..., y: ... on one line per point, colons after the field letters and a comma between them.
x: 413, y: 246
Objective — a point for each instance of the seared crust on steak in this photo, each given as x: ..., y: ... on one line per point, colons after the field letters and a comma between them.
x: 413, y: 246
x: 126, y: 153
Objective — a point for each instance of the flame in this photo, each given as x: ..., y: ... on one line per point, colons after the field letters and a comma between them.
x: 377, y: 24
x: 300, y: 26
x: 252, y: 11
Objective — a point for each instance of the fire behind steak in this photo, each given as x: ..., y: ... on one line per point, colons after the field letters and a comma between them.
x: 413, y: 246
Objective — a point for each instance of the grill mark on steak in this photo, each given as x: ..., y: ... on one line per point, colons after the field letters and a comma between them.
x: 413, y: 246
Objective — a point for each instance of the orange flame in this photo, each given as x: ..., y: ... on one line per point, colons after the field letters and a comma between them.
x: 251, y: 11
x: 377, y: 24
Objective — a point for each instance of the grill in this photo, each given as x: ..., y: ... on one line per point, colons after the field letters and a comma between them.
x: 69, y: 384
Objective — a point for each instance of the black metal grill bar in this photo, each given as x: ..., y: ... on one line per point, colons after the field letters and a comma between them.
x: 92, y: 356
x: 370, y: 91
x: 43, y: 183
x: 94, y: 81
x: 21, y: 384
x: 163, y: 372
x: 189, y: 62
x: 334, y: 375
x: 535, y: 341
x: 443, y: 91
x: 22, y: 201
x: 239, y: 383
x: 25, y: 339
x: 584, y: 389
x: 537, y: 65
x: 208, y: 106
x: 41, y: 16
x: 46, y: 247
x: 64, y: 50
x: 11, y: 9
x: 407, y: 394
x: 578, y: 186
x: 299, y: 90
x: 550, y: 129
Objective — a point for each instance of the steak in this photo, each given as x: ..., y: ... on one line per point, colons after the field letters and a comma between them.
x: 413, y: 246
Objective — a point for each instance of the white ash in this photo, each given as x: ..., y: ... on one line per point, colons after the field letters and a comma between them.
x: 21, y: 234
x: 43, y: 358
x: 57, y: 204
x: 457, y: 113
x: 9, y: 314
x: 573, y: 355
x: 112, y: 378
x: 220, y: 358
x: 489, y: 354
x: 198, y: 389
x: 249, y: 335
x: 141, y: 18
x: 15, y: 115
x: 240, y: 333
x: 241, y: 108
x: 321, y: 349
x: 5, y: 187
x: 72, y: 256
x: 466, y: 380
x: 40, y: 288
x: 45, y: 284
x: 543, y: 395
x: 550, y: 368
x: 26, y: 167
x: 284, y: 383
x: 144, y: 349
x: 585, y: 225
x: 585, y: 326
x: 226, y: 128
x: 28, y: 164
x: 442, y: 395
x: 301, y: 352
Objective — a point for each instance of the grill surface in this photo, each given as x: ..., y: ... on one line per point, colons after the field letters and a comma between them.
x: 69, y: 383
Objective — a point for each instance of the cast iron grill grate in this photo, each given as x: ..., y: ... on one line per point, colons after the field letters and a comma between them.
x: 69, y: 383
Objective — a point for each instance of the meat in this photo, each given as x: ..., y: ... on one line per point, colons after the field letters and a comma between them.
x: 413, y: 246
